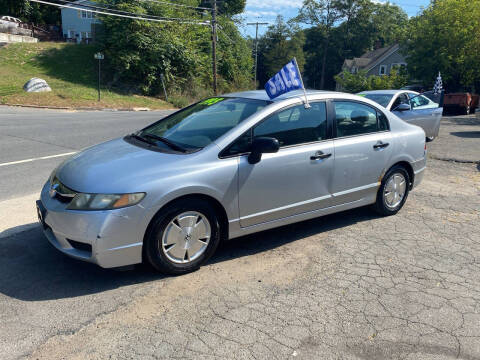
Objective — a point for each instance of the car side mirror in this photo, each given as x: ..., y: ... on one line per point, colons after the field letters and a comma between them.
x: 260, y: 146
x: 402, y: 107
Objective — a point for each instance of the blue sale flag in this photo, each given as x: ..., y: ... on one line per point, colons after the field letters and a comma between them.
x: 287, y: 79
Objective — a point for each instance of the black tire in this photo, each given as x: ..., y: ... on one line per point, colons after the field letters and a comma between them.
x: 153, y: 251
x: 381, y: 205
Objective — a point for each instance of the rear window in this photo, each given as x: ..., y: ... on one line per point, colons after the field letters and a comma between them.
x: 382, y: 99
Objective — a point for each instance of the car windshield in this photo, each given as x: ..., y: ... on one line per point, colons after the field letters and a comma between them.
x: 382, y: 99
x: 202, y: 123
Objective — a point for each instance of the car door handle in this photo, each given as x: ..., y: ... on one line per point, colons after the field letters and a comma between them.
x: 320, y: 155
x: 380, y: 145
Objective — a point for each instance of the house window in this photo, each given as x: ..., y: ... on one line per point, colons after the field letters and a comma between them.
x: 399, y: 65
x: 354, y: 70
x: 71, y: 34
x: 84, y: 14
x: 382, y: 70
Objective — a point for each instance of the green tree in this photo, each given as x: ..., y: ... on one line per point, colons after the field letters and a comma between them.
x: 227, y: 7
x: 322, y: 14
x: 138, y: 52
x: 31, y: 12
x: 445, y: 38
x: 360, y: 25
x: 279, y: 45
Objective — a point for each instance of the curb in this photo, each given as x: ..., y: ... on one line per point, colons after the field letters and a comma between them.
x: 136, y: 109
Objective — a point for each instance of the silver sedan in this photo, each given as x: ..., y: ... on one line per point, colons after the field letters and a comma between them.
x: 225, y: 167
x: 410, y: 106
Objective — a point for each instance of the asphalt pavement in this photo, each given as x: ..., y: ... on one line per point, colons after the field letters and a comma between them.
x: 26, y: 135
x: 347, y: 286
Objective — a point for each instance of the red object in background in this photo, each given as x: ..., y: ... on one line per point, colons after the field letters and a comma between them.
x: 460, y: 103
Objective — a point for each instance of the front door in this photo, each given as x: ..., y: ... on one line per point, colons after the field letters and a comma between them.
x: 297, y: 178
x: 362, y: 150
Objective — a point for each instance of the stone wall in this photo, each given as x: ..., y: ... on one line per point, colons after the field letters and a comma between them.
x: 10, y: 38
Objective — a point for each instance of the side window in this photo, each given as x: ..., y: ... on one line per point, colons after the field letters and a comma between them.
x: 401, y: 99
x: 417, y: 101
x: 382, y: 122
x: 295, y: 125
x: 353, y: 118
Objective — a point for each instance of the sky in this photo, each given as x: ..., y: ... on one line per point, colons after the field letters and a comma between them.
x: 267, y: 11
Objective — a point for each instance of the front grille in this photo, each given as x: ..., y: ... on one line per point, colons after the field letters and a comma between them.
x: 80, y: 246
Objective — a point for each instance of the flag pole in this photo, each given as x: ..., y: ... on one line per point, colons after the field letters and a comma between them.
x: 307, y: 105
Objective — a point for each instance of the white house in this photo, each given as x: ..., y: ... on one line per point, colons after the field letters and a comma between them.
x: 77, y: 25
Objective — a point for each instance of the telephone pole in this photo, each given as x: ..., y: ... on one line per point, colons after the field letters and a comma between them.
x: 256, y: 46
x: 214, y: 45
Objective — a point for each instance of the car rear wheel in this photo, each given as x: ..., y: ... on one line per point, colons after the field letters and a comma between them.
x: 393, y: 191
x: 182, y: 237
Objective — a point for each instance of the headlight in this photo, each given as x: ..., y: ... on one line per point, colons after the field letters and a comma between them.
x: 104, y: 201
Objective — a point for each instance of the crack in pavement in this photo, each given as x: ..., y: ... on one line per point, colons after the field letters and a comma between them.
x: 350, y: 286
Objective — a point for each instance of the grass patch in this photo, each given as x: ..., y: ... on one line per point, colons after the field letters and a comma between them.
x: 69, y: 69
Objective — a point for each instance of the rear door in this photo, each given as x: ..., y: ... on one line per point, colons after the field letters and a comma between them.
x: 362, y: 150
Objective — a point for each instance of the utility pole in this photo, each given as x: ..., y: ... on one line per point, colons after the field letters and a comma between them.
x: 214, y: 45
x: 256, y: 46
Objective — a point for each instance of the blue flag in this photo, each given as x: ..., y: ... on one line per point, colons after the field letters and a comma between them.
x: 287, y: 79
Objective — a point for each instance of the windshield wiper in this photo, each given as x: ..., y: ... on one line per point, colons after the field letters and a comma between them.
x: 165, y: 141
x: 141, y: 138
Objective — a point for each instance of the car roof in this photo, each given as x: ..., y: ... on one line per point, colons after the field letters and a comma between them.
x: 262, y: 94
x: 386, y: 92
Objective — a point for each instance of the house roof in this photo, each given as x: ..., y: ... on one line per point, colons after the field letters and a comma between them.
x: 370, y: 58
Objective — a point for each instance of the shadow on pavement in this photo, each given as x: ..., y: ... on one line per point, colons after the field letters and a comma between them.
x: 32, y: 270
x: 466, y: 134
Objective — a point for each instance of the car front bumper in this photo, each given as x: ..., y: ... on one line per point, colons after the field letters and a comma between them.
x: 109, y: 238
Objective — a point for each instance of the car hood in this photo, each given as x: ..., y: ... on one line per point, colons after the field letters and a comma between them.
x: 115, y: 166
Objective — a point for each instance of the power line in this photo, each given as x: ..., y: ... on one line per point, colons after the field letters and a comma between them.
x: 120, y: 13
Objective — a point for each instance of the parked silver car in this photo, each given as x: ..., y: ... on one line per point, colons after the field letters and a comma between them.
x: 225, y: 167
x: 411, y: 107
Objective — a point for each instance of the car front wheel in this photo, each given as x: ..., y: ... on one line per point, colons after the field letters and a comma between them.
x: 182, y: 237
x: 393, y: 191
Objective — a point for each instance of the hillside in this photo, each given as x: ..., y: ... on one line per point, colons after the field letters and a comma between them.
x: 71, y: 72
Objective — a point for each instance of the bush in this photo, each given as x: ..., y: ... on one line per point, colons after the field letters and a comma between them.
x: 358, y: 82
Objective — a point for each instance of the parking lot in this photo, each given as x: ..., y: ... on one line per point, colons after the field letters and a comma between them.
x: 346, y: 286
